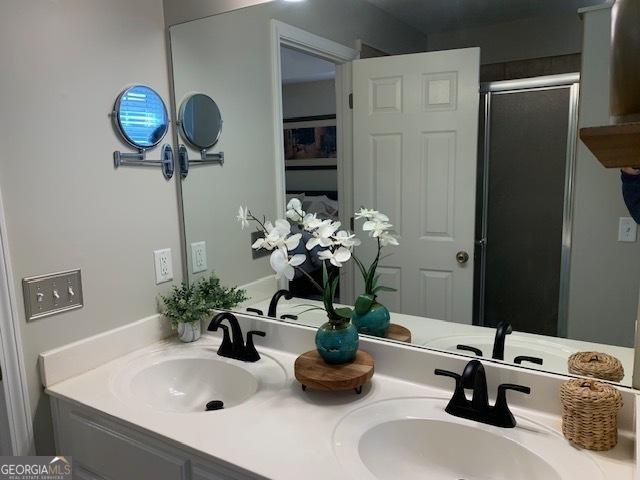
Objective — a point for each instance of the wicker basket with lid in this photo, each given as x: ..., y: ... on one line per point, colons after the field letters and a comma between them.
x: 590, y: 413
x: 597, y: 365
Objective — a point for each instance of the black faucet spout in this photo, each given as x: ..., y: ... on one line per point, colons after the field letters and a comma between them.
x: 474, y: 378
x: 273, y: 305
x: 237, y: 342
x: 502, y: 330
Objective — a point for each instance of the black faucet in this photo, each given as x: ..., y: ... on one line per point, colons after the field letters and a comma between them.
x: 234, y: 346
x: 478, y: 409
x: 502, y: 330
x: 273, y: 305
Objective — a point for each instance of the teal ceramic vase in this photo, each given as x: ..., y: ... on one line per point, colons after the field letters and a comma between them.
x: 374, y: 322
x: 337, y: 344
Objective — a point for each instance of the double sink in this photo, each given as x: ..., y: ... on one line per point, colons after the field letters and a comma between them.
x: 405, y: 438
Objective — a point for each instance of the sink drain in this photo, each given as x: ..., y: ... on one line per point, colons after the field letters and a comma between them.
x: 214, y: 405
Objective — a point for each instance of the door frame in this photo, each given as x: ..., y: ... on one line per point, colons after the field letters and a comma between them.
x: 547, y: 82
x: 286, y: 35
x: 14, y: 379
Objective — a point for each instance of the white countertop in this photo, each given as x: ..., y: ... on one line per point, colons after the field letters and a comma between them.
x: 286, y: 434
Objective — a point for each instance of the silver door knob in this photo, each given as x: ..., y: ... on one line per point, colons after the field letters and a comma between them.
x: 462, y: 257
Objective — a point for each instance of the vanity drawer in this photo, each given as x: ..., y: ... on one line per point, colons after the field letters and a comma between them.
x: 116, y: 456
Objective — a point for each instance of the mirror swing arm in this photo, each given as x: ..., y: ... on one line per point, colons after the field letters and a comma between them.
x: 165, y: 163
x: 206, y: 158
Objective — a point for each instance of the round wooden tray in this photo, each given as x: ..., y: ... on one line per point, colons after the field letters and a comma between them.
x: 399, y: 333
x: 314, y: 373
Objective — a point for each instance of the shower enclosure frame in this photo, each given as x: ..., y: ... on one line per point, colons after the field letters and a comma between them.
x: 569, y: 81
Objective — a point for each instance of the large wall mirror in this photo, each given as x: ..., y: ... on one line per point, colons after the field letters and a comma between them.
x: 457, y: 122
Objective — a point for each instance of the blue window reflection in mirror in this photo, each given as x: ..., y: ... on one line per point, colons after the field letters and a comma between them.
x: 141, y: 117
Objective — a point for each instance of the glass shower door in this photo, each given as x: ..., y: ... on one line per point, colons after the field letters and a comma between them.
x: 527, y: 163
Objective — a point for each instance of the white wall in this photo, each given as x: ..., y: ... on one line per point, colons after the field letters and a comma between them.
x: 5, y: 441
x: 309, y: 99
x: 605, y: 274
x: 228, y: 57
x: 179, y: 11
x: 63, y: 64
x: 516, y: 40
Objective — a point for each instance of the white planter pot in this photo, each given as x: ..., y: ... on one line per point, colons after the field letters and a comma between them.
x: 189, y: 332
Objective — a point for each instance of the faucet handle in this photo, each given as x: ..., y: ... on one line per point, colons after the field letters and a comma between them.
x: 501, y: 412
x: 250, y: 352
x: 447, y: 373
x: 255, y: 310
x: 467, y: 348
x: 525, y: 358
x: 502, y: 389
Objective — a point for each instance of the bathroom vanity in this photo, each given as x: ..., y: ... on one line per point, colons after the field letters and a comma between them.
x: 144, y: 403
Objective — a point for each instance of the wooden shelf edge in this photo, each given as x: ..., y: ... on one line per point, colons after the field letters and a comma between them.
x: 615, y: 146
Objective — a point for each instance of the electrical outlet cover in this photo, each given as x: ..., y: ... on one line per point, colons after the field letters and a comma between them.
x: 164, y: 265
x: 627, y: 230
x: 198, y: 257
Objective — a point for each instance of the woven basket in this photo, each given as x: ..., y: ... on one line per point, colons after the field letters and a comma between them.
x: 590, y: 413
x: 597, y: 365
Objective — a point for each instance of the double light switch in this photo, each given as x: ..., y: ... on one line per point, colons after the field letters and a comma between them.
x: 51, y: 294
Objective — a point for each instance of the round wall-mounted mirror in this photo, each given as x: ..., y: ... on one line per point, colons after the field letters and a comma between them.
x: 200, y: 121
x: 141, y: 117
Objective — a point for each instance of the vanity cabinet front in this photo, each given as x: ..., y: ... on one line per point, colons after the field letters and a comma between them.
x: 103, y: 449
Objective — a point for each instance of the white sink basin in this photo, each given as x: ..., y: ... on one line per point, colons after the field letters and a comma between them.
x: 414, y: 438
x: 554, y: 355
x: 184, y: 378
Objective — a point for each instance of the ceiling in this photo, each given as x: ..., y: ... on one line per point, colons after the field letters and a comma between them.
x: 431, y: 16
x: 300, y: 67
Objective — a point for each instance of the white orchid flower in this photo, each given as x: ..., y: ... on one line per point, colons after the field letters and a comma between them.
x: 243, y: 213
x: 282, y: 227
x: 278, y: 236
x: 387, y: 238
x: 365, y: 213
x: 336, y: 258
x: 345, y: 239
x: 322, y: 235
x: 294, y: 210
x: 380, y: 217
x: 283, y: 265
x: 376, y: 227
x: 311, y: 222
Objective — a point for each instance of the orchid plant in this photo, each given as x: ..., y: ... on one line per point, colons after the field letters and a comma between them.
x: 377, y: 225
x: 333, y: 246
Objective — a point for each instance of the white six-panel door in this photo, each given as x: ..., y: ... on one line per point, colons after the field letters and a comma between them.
x: 415, y: 149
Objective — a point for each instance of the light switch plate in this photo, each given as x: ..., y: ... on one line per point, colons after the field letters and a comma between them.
x: 198, y: 257
x: 627, y: 230
x: 164, y: 265
x: 50, y: 294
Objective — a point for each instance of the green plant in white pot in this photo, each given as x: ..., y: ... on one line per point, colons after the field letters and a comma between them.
x: 185, y: 308
x: 187, y: 305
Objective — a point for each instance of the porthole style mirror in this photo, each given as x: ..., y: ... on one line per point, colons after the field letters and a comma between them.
x: 200, y: 121
x: 200, y: 124
x: 140, y: 117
